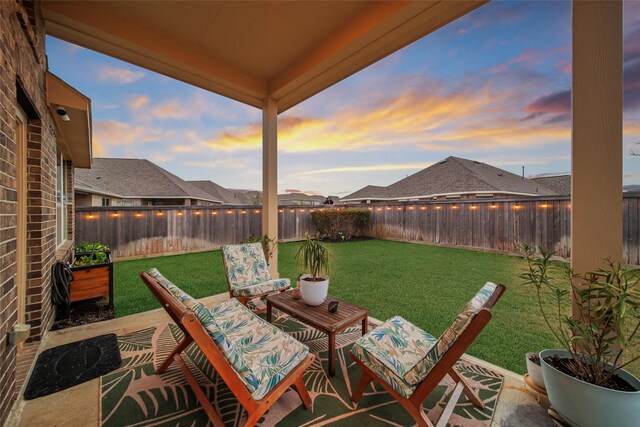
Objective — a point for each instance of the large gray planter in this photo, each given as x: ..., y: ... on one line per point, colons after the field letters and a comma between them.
x: 585, y: 405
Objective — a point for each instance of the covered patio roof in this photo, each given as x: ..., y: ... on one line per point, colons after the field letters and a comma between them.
x: 250, y: 51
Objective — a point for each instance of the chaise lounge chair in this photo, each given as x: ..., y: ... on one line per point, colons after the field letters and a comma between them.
x: 409, y: 363
x: 248, y: 274
x: 256, y: 360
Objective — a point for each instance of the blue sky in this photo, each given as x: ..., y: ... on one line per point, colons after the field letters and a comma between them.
x: 492, y: 86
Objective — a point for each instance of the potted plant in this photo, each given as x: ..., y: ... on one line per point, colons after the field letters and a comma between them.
x: 534, y: 369
x: 314, y: 258
x: 585, y: 381
x: 92, y: 272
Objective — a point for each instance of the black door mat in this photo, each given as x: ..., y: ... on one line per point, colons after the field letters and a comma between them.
x: 71, y: 364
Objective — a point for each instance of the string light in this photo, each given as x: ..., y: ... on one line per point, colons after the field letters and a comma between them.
x: 160, y: 214
x: 454, y: 207
x: 423, y: 208
x: 214, y: 212
x: 179, y: 214
x: 302, y: 210
x: 91, y: 216
x: 115, y: 215
x: 257, y: 211
x: 544, y: 205
x: 243, y: 212
x: 139, y: 215
x: 493, y: 206
x: 280, y: 210
x: 473, y: 207
x: 197, y: 213
x: 410, y: 208
x: 399, y: 208
x: 438, y: 207
x: 293, y: 210
x: 516, y: 206
x: 229, y: 212
x: 379, y: 209
x: 389, y: 208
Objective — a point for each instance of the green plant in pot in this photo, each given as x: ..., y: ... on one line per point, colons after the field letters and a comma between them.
x: 586, y: 381
x: 314, y: 257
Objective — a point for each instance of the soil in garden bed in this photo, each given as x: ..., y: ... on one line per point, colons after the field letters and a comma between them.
x: 564, y: 365
x: 84, y: 312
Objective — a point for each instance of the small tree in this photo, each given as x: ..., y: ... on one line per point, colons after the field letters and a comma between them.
x: 314, y: 257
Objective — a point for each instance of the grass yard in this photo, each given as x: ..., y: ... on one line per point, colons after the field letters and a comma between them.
x: 427, y: 285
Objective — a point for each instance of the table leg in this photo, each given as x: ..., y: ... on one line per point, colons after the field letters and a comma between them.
x: 268, y: 311
x: 332, y: 354
x: 365, y: 325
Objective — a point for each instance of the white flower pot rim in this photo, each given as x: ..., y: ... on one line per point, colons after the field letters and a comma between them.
x: 565, y: 352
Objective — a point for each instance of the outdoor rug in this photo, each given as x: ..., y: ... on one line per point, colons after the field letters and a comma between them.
x: 65, y: 366
x: 134, y: 395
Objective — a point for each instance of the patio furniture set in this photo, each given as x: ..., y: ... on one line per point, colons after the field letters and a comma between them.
x: 259, y: 362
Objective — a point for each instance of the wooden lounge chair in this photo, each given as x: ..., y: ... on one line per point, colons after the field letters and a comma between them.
x: 409, y: 363
x: 256, y: 360
x: 248, y: 274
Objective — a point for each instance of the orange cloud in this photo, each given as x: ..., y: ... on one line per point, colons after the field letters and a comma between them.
x: 111, y: 132
x: 138, y: 102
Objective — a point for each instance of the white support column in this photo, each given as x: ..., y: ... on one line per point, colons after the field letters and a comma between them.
x: 596, y: 140
x: 270, y: 176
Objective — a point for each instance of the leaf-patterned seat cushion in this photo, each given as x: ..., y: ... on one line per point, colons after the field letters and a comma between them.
x: 264, y: 354
x: 247, y: 270
x: 403, y: 354
x: 393, y: 349
x: 187, y: 300
x: 261, y: 288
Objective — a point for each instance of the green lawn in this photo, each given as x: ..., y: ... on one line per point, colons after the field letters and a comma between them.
x: 427, y: 285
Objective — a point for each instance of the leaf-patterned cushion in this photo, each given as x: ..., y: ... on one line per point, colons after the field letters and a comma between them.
x: 187, y: 300
x: 262, y: 354
x: 245, y: 264
x: 464, y: 318
x: 403, y: 354
x: 261, y: 288
x: 399, y: 352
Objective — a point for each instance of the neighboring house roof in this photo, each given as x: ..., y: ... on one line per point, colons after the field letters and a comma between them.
x: 138, y: 178
x: 560, y: 184
x: 369, y: 192
x: 290, y: 197
x: 631, y: 188
x: 219, y: 192
x: 83, y: 187
x: 454, y: 175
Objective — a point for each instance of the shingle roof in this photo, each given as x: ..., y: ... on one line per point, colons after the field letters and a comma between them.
x: 454, y: 175
x: 560, y: 184
x: 138, y: 178
x: 219, y: 192
x: 300, y: 196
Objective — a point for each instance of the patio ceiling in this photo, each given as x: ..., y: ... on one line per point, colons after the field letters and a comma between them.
x: 251, y: 51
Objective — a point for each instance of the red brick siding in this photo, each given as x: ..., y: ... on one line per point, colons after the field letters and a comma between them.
x: 22, y: 59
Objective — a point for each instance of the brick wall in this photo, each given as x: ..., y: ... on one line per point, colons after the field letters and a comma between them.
x: 22, y: 83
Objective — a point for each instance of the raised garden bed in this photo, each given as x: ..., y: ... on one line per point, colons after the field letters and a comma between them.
x: 92, y: 273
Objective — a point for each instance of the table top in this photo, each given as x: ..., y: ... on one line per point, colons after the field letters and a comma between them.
x: 319, y: 316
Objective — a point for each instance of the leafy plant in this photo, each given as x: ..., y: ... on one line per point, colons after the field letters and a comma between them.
x: 97, y: 254
x: 269, y: 245
x: 341, y: 224
x: 608, y: 307
x: 314, y: 257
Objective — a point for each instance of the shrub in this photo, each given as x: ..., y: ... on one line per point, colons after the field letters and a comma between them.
x: 341, y: 224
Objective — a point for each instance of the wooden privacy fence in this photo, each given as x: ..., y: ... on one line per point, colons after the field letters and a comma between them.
x: 134, y: 232
x: 501, y: 225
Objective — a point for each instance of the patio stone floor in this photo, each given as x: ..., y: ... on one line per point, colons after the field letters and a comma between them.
x: 79, y: 406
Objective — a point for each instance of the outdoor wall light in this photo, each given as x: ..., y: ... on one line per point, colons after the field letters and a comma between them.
x: 410, y: 208
x: 179, y: 214
x: 379, y: 209
x: 438, y: 207
x: 302, y: 210
x: 63, y: 114
x: 423, y: 208
x: 214, y: 213
x: 197, y: 212
x: 516, y: 206
x: 399, y: 209
x: 91, y: 216
x: 280, y: 210
x: 473, y: 207
x: 229, y: 212
x: 243, y: 212
x: 389, y: 208
x: 454, y: 207
x: 257, y: 211
x: 544, y: 205
x: 115, y: 215
x: 139, y: 215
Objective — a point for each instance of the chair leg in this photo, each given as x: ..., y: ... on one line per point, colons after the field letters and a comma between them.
x: 254, y: 417
x: 169, y: 360
x: 468, y: 391
x: 300, y: 388
x: 363, y: 382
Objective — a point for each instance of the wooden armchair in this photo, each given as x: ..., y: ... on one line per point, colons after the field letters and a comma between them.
x: 248, y: 274
x: 409, y: 363
x: 257, y: 374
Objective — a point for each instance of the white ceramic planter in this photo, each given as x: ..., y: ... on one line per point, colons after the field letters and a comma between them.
x: 586, y: 405
x: 314, y: 293
x: 534, y: 371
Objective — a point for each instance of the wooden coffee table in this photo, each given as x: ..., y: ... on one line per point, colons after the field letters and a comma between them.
x: 320, y: 318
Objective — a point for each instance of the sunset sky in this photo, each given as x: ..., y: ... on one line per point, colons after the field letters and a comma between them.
x: 493, y: 86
